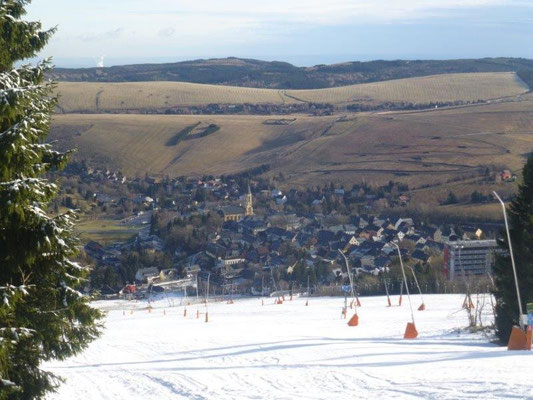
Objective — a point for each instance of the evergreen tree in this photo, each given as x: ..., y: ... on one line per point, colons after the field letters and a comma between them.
x: 451, y: 199
x: 520, y: 213
x: 42, y: 315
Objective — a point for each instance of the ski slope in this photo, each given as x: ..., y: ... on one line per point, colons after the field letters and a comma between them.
x: 290, y: 351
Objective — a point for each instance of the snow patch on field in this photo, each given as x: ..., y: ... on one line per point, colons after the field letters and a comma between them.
x: 290, y: 351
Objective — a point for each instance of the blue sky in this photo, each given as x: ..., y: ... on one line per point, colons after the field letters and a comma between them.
x: 304, y: 32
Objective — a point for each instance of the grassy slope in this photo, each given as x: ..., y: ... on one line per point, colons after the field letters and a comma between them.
x: 138, y: 143
x: 426, y: 89
x: 95, y: 97
x: 416, y: 147
x: 105, y: 231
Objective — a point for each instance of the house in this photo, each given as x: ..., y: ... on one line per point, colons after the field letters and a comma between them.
x: 448, y: 234
x: 318, y: 202
x: 215, y: 250
x: 403, y: 199
x: 224, y: 262
x: 470, y: 232
x: 420, y: 255
x: 506, y: 175
x: 168, y: 274
x: 152, y: 180
x: 325, y: 236
x: 382, y: 262
x: 367, y: 262
x: 153, y: 243
x: 432, y: 233
x: 359, y: 222
x: 146, y: 274
x: 280, y: 200
x: 276, y: 193
x: 192, y: 269
x: 253, y: 226
x: 403, y: 222
x: 103, y: 198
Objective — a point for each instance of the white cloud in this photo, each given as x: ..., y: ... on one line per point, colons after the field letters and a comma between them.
x: 107, y: 35
x: 167, y: 32
x: 329, y: 12
x: 206, y: 26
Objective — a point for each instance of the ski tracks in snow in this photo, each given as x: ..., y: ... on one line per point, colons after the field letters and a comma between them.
x: 291, y: 351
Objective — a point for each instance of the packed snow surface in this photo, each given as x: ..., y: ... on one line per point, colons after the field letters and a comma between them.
x: 293, y: 351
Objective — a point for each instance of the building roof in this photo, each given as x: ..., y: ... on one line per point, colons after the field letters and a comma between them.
x: 232, y: 210
x: 472, y: 243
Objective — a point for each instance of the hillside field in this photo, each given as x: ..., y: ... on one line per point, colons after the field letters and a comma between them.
x: 142, y: 96
x: 420, y: 148
x: 290, y: 351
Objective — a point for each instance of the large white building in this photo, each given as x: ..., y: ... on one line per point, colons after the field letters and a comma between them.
x: 469, y: 257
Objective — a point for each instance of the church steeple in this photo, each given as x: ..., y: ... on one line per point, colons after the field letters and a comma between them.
x: 249, y: 204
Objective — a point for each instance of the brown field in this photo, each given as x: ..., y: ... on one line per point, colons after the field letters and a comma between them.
x: 97, y: 97
x: 425, y: 89
x: 441, y: 148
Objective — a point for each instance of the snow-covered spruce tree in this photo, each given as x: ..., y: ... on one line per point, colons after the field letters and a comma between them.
x: 520, y: 214
x: 42, y: 315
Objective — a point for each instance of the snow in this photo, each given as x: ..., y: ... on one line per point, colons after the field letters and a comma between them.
x: 290, y: 351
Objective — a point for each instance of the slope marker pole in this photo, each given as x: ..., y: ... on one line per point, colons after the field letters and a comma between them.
x: 410, y: 330
x: 354, y: 321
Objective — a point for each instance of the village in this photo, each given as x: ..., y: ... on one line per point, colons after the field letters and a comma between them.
x: 249, y: 238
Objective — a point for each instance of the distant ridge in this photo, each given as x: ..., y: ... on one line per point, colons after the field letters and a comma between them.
x: 281, y: 75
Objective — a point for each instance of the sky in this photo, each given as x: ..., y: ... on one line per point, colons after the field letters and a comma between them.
x: 303, y: 32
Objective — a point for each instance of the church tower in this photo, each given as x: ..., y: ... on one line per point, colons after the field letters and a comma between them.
x: 248, y: 204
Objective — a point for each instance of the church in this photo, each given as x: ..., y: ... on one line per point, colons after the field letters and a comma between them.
x: 237, y: 213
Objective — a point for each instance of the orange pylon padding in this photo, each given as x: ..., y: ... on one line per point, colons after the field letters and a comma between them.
x: 358, y: 303
x: 184, y: 312
x: 279, y: 301
x: 230, y: 302
x: 410, y: 331
x: 206, y: 317
x: 528, y: 337
x: 354, y: 321
x: 197, y: 314
x: 517, y: 340
x: 400, y: 301
x: 388, y: 302
x: 422, y: 307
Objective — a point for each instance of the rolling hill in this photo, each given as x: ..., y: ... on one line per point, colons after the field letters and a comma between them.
x: 122, y: 125
x: 281, y: 75
x: 94, y: 97
x: 430, y: 149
